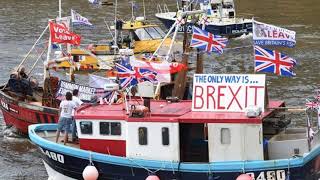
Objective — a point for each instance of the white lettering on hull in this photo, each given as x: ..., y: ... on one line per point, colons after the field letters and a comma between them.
x: 269, y: 175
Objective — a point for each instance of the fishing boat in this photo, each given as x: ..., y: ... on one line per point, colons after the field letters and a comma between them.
x: 219, y: 17
x: 222, y: 134
x: 25, y: 102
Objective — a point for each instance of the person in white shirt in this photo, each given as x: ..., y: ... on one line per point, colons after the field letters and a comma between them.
x: 65, y: 119
x: 78, y: 103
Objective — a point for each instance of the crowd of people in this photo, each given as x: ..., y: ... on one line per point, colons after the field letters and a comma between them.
x: 66, y: 116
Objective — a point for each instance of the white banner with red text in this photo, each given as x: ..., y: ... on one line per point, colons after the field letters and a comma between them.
x: 228, y: 92
x: 270, y: 35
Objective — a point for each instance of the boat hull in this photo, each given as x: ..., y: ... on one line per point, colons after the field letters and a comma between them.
x: 73, y: 168
x: 70, y: 162
x: 20, y: 114
x: 230, y: 30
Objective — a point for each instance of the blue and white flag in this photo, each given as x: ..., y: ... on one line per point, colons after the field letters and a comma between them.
x: 266, y: 34
x: 77, y: 19
x: 94, y: 1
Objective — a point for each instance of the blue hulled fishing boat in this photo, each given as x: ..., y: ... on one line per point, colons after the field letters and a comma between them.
x: 229, y: 129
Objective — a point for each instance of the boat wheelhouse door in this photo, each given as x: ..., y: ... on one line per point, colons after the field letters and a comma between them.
x: 193, y: 142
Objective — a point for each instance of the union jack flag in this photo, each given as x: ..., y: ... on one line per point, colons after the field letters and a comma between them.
x: 312, y: 104
x: 204, y: 40
x: 273, y: 61
x: 129, y: 75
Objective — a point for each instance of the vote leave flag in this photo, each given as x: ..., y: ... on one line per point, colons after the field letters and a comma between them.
x: 270, y: 35
x: 61, y: 34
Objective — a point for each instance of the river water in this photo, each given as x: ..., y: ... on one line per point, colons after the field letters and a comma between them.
x: 22, y: 21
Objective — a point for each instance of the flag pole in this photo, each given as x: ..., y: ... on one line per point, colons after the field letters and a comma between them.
x: 115, y: 24
x: 254, y: 63
x: 132, y: 14
x: 144, y: 10
x: 172, y: 41
x: 60, y: 9
x: 45, y: 73
x: 167, y: 35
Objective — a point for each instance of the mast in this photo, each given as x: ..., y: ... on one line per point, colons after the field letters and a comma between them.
x: 181, y: 79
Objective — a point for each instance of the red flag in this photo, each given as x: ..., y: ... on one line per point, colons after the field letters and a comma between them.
x: 177, y: 67
x: 61, y: 34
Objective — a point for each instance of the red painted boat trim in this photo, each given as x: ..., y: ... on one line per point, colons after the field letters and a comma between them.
x: 161, y: 111
x: 113, y: 147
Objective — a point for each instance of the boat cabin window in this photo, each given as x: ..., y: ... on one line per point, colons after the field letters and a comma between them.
x: 153, y: 33
x: 104, y: 128
x: 225, y: 136
x: 110, y: 128
x: 159, y: 30
x: 149, y: 33
x: 86, y: 127
x: 165, y: 136
x: 143, y: 135
x: 142, y: 34
x: 115, y: 128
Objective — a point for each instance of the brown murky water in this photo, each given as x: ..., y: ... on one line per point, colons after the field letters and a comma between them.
x: 22, y: 21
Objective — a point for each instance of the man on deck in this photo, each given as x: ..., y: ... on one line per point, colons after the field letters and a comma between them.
x: 77, y: 102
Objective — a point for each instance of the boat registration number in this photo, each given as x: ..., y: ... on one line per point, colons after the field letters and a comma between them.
x: 4, y: 105
x: 188, y: 27
x: 52, y: 155
x: 269, y: 175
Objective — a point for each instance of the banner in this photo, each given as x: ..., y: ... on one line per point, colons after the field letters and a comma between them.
x: 228, y: 92
x: 98, y: 81
x: 86, y: 93
x: 266, y: 34
x: 61, y: 34
x: 77, y: 19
